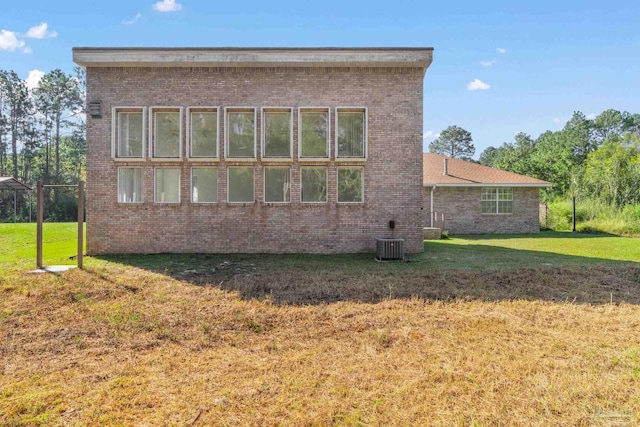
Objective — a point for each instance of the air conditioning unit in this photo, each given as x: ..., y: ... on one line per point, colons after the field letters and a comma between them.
x: 389, y: 249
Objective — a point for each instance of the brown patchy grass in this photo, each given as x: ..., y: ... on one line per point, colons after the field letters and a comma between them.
x: 264, y: 345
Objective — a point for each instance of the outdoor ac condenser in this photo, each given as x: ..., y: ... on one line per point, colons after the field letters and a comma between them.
x: 389, y: 249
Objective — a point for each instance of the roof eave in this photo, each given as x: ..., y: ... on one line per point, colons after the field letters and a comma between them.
x: 486, y: 184
x: 253, y: 57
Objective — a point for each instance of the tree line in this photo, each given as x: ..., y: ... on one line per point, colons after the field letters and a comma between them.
x: 42, y: 137
x: 593, y: 158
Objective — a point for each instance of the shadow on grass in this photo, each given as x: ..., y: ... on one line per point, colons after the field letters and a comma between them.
x: 546, y: 234
x: 442, y: 272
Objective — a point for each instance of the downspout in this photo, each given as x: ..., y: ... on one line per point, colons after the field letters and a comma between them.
x: 431, y: 207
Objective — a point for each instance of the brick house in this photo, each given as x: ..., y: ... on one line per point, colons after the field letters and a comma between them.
x: 253, y: 150
x: 478, y: 199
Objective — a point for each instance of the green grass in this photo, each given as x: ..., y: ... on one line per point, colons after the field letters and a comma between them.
x: 18, y: 243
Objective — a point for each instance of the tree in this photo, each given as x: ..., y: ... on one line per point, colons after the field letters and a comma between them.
x: 58, y: 94
x: 453, y: 142
x: 488, y: 156
x: 17, y: 103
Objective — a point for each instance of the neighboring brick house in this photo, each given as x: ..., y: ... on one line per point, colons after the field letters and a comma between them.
x: 479, y: 199
x: 253, y: 150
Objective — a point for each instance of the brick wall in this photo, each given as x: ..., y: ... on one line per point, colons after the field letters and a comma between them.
x: 392, y: 171
x: 463, y: 211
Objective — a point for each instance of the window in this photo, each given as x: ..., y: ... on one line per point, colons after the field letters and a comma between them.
x: 203, y: 132
x: 313, y: 132
x: 277, y: 137
x: 497, y: 200
x: 241, y: 133
x: 277, y: 184
x: 166, y: 132
x: 167, y: 185
x: 127, y: 133
x: 351, y: 132
x: 240, y: 184
x: 129, y: 185
x: 313, y: 184
x: 350, y: 185
x: 204, y: 185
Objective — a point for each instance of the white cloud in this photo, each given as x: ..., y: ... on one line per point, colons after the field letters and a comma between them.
x: 487, y: 63
x: 9, y: 41
x: 27, y: 49
x: 40, y: 32
x: 591, y: 116
x: 167, y: 6
x: 430, y: 136
x: 478, y: 84
x: 132, y: 21
x: 34, y: 78
x: 557, y: 121
x: 501, y: 50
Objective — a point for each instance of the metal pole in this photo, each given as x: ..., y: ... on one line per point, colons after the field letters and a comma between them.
x: 40, y: 197
x: 80, y: 222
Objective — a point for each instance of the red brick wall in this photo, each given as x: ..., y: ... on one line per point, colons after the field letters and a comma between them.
x: 463, y: 211
x: 392, y: 171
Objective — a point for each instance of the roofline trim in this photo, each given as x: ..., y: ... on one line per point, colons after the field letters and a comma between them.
x: 414, y: 57
x: 487, y: 184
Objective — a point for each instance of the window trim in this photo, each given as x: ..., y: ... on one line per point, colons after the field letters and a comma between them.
x: 264, y: 183
x: 327, y: 147
x: 154, y: 109
x: 253, y: 170
x: 263, y: 132
x: 155, y: 181
x: 141, y: 185
x: 204, y: 109
x: 338, y: 185
x: 228, y: 110
x: 365, y: 133
x: 191, y: 185
x: 114, y: 132
x: 496, y: 201
x: 326, y: 180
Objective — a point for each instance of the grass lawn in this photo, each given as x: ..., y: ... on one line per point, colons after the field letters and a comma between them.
x: 477, y: 331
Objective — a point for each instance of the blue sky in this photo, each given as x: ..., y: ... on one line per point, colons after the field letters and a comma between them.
x: 531, y: 64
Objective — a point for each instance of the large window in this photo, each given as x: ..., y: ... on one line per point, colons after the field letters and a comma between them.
x: 313, y: 184
x: 204, y: 185
x: 166, y: 132
x: 351, y: 132
x: 129, y: 185
x: 167, y: 185
x: 350, y: 185
x: 497, y: 200
x: 313, y: 132
x: 203, y: 132
x: 128, y: 132
x: 241, y: 133
x: 277, y: 184
x: 277, y: 127
x: 240, y: 184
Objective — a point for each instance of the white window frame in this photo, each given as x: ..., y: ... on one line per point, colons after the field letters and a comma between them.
x: 326, y: 183
x: 203, y: 109
x: 115, y: 131
x: 151, y: 132
x: 253, y: 169
x: 338, y: 185
x: 264, y: 183
x: 155, y: 169
x: 327, y: 147
x: 228, y: 110
x: 191, y: 184
x: 496, y: 201
x: 141, y: 188
x: 266, y: 110
x: 365, y: 136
